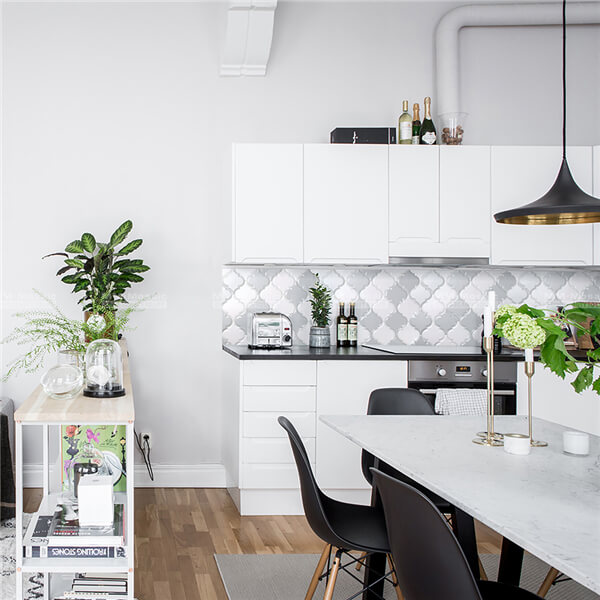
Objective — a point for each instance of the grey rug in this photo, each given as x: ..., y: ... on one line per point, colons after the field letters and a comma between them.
x: 33, y: 584
x: 277, y: 576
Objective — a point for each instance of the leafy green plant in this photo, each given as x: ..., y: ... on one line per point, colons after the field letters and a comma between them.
x: 526, y: 327
x: 46, y: 332
x: 320, y: 303
x: 98, y: 270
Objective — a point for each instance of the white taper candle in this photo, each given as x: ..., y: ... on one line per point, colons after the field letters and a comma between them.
x: 528, y: 354
x: 487, y: 322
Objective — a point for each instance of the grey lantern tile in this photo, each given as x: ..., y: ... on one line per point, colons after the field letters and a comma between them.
x: 395, y: 304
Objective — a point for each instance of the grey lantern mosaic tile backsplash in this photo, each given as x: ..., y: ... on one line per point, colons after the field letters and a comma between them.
x: 398, y: 305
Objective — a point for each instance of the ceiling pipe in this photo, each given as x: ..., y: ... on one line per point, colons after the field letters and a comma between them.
x: 493, y: 15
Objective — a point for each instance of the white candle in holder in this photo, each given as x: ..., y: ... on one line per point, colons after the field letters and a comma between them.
x: 517, y: 443
x: 487, y: 322
x: 528, y: 354
x: 492, y: 301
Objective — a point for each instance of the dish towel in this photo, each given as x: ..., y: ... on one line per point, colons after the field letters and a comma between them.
x: 460, y: 401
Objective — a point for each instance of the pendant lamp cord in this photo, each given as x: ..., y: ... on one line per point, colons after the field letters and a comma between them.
x: 564, y: 77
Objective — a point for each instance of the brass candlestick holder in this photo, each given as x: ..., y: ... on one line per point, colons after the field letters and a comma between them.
x: 489, y: 437
x: 529, y: 371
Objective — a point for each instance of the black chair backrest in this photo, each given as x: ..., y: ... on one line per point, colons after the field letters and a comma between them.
x: 393, y: 401
x: 313, y: 499
x: 428, y: 559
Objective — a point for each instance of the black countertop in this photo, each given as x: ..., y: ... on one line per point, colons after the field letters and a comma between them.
x: 360, y: 353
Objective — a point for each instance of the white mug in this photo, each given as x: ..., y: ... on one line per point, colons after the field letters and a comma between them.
x: 576, y: 442
x: 517, y: 443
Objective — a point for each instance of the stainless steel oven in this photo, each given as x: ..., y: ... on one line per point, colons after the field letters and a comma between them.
x: 428, y: 375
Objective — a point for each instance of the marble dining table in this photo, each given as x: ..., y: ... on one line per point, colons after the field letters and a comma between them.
x: 547, y: 502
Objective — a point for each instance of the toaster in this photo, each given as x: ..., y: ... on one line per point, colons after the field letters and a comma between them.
x: 269, y: 330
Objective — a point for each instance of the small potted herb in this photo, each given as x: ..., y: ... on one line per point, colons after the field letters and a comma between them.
x: 320, y: 303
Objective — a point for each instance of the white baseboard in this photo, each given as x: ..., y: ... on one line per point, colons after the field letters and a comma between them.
x: 193, y: 476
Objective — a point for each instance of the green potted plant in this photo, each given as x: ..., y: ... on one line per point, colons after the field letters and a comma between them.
x: 46, y: 332
x: 101, y: 272
x: 528, y: 327
x: 320, y: 302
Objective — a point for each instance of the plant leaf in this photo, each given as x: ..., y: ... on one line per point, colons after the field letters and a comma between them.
x: 55, y: 254
x: 596, y: 386
x: 583, y: 379
x: 133, y: 277
x: 75, y: 246
x: 63, y: 270
x: 135, y: 269
x: 130, y: 247
x: 80, y: 285
x: 73, y: 262
x: 89, y: 242
x: 120, y: 233
x: 70, y: 279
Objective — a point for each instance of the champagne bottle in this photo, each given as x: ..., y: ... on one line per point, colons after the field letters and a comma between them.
x: 342, y: 328
x: 352, y: 327
x: 428, y: 134
x: 416, y: 125
x: 405, y: 125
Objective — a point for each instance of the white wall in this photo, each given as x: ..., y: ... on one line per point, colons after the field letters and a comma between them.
x: 116, y: 110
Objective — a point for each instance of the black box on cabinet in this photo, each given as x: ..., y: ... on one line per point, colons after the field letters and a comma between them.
x: 363, y: 135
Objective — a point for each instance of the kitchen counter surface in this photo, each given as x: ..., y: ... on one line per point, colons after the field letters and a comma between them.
x: 360, y: 353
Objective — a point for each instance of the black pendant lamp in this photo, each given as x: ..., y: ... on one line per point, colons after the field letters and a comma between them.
x: 565, y: 202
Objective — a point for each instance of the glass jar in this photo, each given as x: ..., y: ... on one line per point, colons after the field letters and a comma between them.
x: 104, y: 369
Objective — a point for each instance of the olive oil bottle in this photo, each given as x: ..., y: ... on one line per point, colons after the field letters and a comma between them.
x: 352, y: 327
x: 342, y: 328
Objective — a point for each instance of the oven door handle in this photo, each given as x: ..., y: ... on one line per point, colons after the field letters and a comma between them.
x: 496, y: 392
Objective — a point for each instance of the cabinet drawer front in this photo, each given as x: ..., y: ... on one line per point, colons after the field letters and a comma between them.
x: 269, y: 477
x: 284, y: 398
x: 280, y: 372
x: 273, y: 450
x: 264, y: 424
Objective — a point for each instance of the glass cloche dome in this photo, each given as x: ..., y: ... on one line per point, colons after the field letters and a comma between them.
x: 104, y: 370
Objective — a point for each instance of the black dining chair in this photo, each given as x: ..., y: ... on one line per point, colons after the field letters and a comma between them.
x: 343, y: 527
x: 429, y: 561
x: 400, y: 401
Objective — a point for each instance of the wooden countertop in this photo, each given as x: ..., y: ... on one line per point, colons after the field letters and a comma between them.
x: 39, y: 408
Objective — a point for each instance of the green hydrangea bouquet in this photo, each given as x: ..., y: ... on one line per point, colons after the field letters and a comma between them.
x: 528, y: 327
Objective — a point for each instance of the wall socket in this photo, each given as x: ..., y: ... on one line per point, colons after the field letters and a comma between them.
x: 143, y: 436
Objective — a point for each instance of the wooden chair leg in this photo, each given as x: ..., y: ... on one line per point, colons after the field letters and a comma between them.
x: 333, y: 575
x: 360, y: 561
x: 482, y: 574
x: 314, y: 582
x: 394, y: 578
x: 547, y: 583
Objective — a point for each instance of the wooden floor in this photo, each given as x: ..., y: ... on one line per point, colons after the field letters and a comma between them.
x: 177, y: 531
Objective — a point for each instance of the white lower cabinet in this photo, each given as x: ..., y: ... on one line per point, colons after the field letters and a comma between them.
x: 343, y: 388
x: 262, y: 475
x: 554, y: 399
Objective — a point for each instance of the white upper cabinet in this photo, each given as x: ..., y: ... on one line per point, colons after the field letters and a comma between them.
x: 345, y: 204
x: 465, y: 201
x: 520, y: 175
x: 439, y: 201
x: 267, y: 203
x: 596, y: 190
x: 414, y: 200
